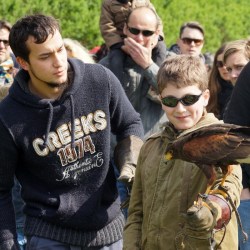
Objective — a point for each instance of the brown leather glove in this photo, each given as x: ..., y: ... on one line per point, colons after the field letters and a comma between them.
x: 202, y: 217
x: 208, y: 213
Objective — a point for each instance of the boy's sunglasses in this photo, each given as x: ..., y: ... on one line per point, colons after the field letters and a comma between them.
x: 188, y: 41
x: 187, y: 100
x: 219, y: 64
x: 135, y: 31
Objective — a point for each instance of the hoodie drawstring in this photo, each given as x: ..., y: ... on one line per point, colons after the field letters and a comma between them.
x: 45, y: 144
x: 48, y: 125
x: 72, y: 121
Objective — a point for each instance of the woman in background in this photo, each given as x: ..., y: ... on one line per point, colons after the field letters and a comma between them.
x: 236, y: 57
x: 219, y: 85
x: 76, y: 50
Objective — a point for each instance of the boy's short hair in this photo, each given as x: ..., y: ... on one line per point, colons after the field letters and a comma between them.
x: 182, y: 71
x: 232, y: 47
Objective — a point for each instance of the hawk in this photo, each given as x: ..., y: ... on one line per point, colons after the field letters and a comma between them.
x: 216, y: 145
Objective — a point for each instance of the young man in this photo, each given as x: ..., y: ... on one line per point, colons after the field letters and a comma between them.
x: 164, y: 190
x: 55, y: 127
x: 190, y: 41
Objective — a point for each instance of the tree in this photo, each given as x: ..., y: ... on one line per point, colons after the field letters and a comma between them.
x: 223, y: 20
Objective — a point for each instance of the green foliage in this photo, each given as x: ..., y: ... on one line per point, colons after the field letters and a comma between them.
x: 223, y: 20
x: 79, y: 18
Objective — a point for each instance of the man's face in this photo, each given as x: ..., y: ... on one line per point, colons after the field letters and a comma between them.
x: 47, y: 64
x: 191, y: 42
x: 234, y: 64
x: 4, y: 45
x: 142, y: 27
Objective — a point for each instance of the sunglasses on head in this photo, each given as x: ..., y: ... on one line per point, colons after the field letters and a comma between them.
x: 5, y: 42
x: 136, y: 31
x: 188, y: 41
x: 220, y: 64
x: 187, y: 100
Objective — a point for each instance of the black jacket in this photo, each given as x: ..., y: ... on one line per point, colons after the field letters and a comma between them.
x: 238, y: 111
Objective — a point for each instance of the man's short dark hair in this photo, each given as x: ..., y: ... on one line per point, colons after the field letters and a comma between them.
x: 192, y: 25
x: 5, y: 25
x: 38, y: 26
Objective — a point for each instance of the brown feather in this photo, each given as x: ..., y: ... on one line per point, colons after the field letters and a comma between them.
x: 217, y: 145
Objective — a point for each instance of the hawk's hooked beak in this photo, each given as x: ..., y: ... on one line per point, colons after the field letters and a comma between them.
x: 169, y: 155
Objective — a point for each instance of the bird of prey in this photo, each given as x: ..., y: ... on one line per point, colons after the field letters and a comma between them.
x: 216, y: 145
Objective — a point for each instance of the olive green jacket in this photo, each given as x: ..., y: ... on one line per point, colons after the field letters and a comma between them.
x: 163, y: 191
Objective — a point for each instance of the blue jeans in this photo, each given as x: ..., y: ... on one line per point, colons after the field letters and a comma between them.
x: 244, y: 211
x: 21, y: 239
x: 122, y: 190
x: 20, y: 217
x: 39, y: 243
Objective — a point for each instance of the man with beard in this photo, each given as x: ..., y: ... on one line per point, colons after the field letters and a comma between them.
x: 55, y: 127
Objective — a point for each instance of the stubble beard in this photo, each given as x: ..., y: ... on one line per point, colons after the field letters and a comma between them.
x: 54, y: 85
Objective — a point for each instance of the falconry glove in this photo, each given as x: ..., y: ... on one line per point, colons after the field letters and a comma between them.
x: 209, y: 212
x: 201, y: 219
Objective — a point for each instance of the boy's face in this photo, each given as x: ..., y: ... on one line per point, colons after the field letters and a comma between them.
x: 182, y: 116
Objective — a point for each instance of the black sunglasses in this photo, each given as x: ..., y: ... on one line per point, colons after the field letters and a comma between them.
x: 135, y: 31
x: 220, y: 64
x: 187, y: 100
x: 5, y: 42
x: 188, y: 41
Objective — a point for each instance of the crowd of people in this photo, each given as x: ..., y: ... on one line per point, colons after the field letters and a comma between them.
x: 80, y: 136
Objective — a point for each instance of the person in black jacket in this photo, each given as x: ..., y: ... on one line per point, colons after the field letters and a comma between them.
x: 55, y: 128
x: 237, y: 112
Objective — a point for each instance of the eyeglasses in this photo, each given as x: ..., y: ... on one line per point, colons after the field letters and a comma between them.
x: 5, y: 42
x: 188, y: 41
x: 136, y: 31
x: 220, y: 64
x: 187, y: 100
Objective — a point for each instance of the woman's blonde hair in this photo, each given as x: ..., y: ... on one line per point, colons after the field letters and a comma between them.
x: 76, y: 50
x: 232, y: 47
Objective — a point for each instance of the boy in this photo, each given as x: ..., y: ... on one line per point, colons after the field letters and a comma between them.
x: 163, y: 190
